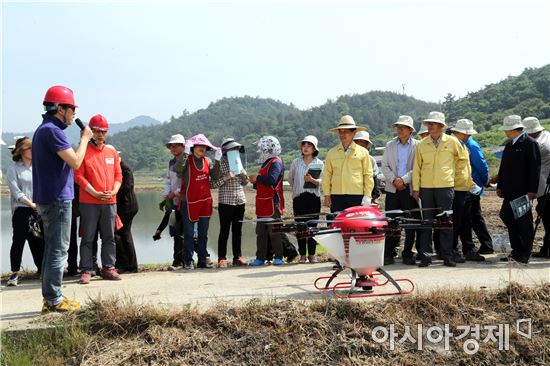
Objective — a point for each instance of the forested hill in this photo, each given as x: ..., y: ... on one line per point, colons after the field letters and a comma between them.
x: 527, y: 94
x: 247, y: 119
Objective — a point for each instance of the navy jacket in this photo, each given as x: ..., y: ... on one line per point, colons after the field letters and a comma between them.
x: 519, y: 170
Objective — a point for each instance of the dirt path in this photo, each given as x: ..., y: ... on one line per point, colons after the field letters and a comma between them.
x: 202, y: 288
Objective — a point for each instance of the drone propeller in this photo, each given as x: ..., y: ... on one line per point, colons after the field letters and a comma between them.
x: 422, y: 209
x: 261, y: 219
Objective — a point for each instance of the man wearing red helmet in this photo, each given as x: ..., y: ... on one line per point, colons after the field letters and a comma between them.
x: 53, y: 191
x: 99, y: 178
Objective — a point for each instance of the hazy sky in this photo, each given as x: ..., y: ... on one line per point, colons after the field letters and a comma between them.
x: 124, y: 59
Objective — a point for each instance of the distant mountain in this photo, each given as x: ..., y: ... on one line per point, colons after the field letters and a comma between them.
x: 247, y: 119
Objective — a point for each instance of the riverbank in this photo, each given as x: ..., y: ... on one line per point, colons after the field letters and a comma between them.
x: 121, y: 329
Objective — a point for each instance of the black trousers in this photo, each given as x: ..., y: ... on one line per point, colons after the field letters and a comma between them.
x: 339, y: 202
x: 20, y: 225
x: 306, y: 203
x: 436, y: 198
x: 177, y: 233
x: 400, y: 200
x: 265, y: 236
x: 72, y: 261
x: 520, y: 231
x: 126, y: 259
x: 459, y: 201
x: 230, y: 218
x: 473, y: 220
x: 545, y: 219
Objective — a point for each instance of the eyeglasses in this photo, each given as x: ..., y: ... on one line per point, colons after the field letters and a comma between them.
x: 68, y: 106
x: 99, y: 131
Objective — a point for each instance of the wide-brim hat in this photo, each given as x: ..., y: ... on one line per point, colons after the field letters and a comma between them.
x: 436, y: 117
x: 347, y: 123
x: 311, y: 139
x: 405, y: 121
x: 200, y: 139
x: 511, y: 122
x: 532, y: 125
x: 21, y: 144
x: 362, y: 135
x: 423, y: 129
x: 176, y: 139
x: 464, y: 126
x: 230, y: 144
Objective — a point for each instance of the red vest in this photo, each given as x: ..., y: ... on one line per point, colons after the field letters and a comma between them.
x: 265, y: 193
x: 199, y: 198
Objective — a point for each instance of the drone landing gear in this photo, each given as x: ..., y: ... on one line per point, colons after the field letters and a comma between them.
x: 363, y: 286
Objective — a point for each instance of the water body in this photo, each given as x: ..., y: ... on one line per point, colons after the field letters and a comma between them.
x: 143, y: 228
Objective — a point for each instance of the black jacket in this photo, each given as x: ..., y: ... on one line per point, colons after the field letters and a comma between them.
x: 519, y: 170
x: 126, y: 198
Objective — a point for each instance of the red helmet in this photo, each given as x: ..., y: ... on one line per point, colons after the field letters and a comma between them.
x: 98, y: 122
x: 60, y: 95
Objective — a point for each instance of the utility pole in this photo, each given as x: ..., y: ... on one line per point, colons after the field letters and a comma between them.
x: 403, y: 88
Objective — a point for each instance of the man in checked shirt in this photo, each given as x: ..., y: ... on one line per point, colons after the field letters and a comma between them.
x: 231, y: 202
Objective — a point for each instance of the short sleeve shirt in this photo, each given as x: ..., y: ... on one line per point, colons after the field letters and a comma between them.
x: 52, y: 177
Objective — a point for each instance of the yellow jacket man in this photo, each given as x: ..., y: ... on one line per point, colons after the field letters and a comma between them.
x: 347, y: 173
x: 434, y: 171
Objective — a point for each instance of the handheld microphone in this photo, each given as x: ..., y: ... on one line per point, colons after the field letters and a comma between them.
x: 81, y: 126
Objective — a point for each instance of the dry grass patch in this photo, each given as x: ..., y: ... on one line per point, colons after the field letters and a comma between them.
x: 121, y: 331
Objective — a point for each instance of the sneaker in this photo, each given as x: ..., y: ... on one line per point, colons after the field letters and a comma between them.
x: 292, y: 256
x: 156, y: 236
x: 64, y: 306
x: 312, y: 259
x: 485, y: 250
x: 14, y: 279
x: 409, y: 261
x: 278, y: 262
x: 177, y: 264
x: 205, y: 264
x: 222, y: 263
x: 257, y: 262
x: 240, y: 262
x: 302, y: 259
x: 189, y: 266
x: 458, y: 259
x: 110, y: 274
x: 542, y: 253
x: 209, y: 262
x: 85, y: 278
x: 425, y: 262
x: 449, y: 263
x: 474, y: 257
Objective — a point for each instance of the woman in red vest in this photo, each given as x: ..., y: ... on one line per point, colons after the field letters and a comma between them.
x: 269, y: 199
x: 196, y: 199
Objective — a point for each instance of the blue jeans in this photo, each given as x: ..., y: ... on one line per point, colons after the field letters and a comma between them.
x: 188, y: 233
x: 57, y: 230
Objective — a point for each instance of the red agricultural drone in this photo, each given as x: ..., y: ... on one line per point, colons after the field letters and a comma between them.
x: 355, y: 237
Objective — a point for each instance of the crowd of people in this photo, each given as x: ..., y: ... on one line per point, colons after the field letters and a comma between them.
x: 51, y: 184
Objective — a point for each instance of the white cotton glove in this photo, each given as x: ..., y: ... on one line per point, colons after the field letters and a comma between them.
x: 188, y: 146
x: 366, y: 201
x: 218, y: 154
